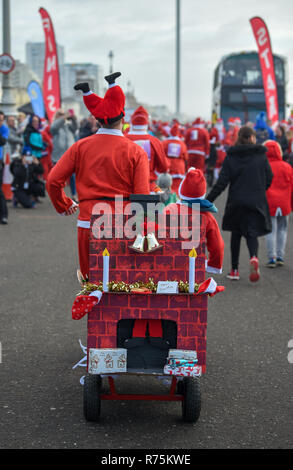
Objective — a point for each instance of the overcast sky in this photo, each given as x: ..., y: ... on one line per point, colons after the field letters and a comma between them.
x: 142, y: 35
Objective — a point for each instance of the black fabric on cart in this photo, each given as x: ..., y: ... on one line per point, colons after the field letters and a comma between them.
x: 147, y: 352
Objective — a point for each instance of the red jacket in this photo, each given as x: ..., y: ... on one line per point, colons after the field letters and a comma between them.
x: 105, y: 164
x: 176, y: 153
x: 214, y: 241
x: 280, y: 193
x: 198, y: 141
x: 154, y: 149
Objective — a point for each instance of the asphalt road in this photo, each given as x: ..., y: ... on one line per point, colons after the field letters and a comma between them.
x: 246, y: 393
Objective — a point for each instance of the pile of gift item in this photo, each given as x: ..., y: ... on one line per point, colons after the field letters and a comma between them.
x: 181, y: 363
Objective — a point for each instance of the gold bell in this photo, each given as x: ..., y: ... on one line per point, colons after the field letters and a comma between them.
x: 153, y: 243
x: 138, y: 244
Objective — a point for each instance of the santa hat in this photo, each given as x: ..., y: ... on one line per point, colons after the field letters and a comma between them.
x: 140, y: 117
x: 193, y: 186
x: 237, y: 121
x: 109, y: 109
x: 174, y: 130
x: 231, y: 121
x: 210, y: 287
x: 84, y: 304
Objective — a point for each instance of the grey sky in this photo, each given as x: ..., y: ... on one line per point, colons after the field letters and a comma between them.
x: 142, y: 35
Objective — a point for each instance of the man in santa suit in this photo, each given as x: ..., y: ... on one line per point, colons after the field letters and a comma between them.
x: 106, y: 164
x: 197, y: 140
x: 176, y: 153
x: 232, y: 133
x: 192, y: 190
x: 151, y: 145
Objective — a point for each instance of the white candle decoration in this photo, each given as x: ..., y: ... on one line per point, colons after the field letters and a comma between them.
x: 192, y: 255
x: 106, y: 259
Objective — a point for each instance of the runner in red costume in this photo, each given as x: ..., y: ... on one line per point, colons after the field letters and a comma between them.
x: 151, y: 145
x: 176, y: 152
x: 198, y: 145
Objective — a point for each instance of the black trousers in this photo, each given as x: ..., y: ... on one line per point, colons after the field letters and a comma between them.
x: 252, y: 245
x: 3, y: 205
x: 36, y: 189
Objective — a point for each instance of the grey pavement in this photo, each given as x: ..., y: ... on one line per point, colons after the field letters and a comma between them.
x: 246, y: 393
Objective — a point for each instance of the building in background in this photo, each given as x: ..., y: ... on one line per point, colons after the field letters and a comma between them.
x: 70, y: 74
x: 35, y: 57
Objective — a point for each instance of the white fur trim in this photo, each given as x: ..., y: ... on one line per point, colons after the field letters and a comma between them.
x: 199, y: 152
x: 112, y: 85
x: 105, y: 131
x: 88, y: 93
x: 84, y: 223
x: 96, y: 293
x: 210, y: 269
x: 211, y: 287
x: 71, y: 207
x: 139, y: 128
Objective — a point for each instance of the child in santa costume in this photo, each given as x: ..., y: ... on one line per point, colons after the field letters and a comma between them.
x: 106, y: 164
x: 176, y: 153
x: 280, y: 201
x: 151, y: 145
x: 197, y: 140
x: 192, y: 190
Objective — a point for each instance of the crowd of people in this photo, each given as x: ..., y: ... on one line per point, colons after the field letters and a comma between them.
x: 254, y: 160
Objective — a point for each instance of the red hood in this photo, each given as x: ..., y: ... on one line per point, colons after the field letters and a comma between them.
x: 274, y: 151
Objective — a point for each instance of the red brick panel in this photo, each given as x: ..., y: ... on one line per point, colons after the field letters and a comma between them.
x: 168, y: 263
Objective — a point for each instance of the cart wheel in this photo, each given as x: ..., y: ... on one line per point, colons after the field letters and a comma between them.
x: 191, y: 403
x: 91, y: 397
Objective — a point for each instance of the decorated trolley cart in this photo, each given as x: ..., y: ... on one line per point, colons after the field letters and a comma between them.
x: 135, y: 274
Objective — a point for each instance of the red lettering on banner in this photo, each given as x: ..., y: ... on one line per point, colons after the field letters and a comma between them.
x: 264, y: 55
x: 262, y: 38
x: 51, y: 82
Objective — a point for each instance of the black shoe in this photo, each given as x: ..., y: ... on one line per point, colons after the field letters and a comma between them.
x: 4, y: 221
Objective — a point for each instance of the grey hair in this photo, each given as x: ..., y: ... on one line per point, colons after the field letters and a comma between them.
x: 164, y: 181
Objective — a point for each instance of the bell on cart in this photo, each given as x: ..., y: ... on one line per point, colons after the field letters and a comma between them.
x: 153, y: 243
x: 138, y: 244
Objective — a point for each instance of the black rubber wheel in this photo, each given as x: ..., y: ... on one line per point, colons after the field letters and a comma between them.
x: 92, y: 397
x: 191, y: 404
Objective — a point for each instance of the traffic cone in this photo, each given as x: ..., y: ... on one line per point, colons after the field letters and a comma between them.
x: 7, y: 179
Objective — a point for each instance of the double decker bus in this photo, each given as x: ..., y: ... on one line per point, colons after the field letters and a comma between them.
x: 238, y: 87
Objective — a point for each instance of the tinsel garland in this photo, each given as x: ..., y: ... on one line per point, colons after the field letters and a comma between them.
x: 121, y: 286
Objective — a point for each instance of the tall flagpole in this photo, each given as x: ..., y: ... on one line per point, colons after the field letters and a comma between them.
x: 177, y: 58
x: 7, y: 103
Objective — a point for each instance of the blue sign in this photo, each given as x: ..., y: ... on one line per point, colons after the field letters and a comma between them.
x: 36, y: 96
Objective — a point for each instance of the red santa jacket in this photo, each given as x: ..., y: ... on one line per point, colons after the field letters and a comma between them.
x: 176, y: 153
x: 280, y: 193
x: 105, y: 164
x: 214, y: 241
x: 214, y: 136
x: 154, y: 150
x: 198, y: 141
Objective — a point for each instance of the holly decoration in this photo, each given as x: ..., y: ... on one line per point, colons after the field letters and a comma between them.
x: 121, y: 286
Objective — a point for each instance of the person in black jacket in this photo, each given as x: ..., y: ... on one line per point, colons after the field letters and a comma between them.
x: 26, y: 185
x: 248, y: 173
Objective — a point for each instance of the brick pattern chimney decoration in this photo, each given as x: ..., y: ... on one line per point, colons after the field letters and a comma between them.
x: 170, y: 262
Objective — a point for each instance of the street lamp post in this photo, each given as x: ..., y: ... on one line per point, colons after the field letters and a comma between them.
x: 111, y: 56
x: 7, y: 104
x: 177, y: 58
